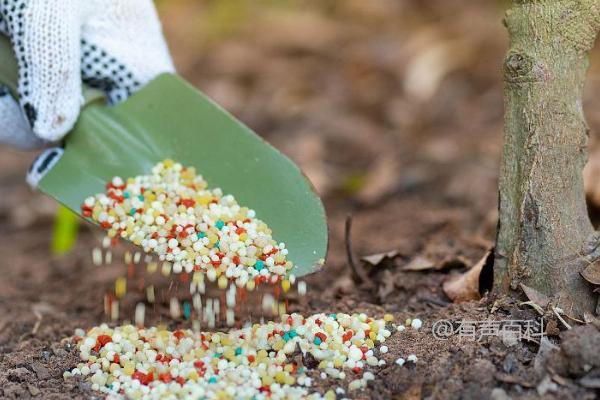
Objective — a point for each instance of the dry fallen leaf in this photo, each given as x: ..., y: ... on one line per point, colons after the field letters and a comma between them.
x: 427, y: 69
x: 418, y: 263
x: 376, y: 259
x: 533, y: 295
x: 465, y: 287
x: 421, y: 263
x: 591, y: 273
x: 452, y: 262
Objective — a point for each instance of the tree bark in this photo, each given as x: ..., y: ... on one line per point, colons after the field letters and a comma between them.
x: 545, y: 236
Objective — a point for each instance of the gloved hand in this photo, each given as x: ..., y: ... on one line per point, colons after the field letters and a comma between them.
x: 116, y: 46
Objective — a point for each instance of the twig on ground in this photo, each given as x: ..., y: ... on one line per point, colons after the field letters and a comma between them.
x: 358, y: 274
x: 557, y: 311
x: 533, y: 305
x: 579, y: 321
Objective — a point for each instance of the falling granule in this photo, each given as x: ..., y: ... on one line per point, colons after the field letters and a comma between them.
x: 217, y: 308
x: 267, y: 302
x: 127, y: 258
x: 151, y: 267
x: 120, y: 287
x: 242, y: 363
x: 286, y: 285
x: 140, y: 314
x: 197, y: 302
x: 107, y: 304
x: 187, y: 310
x: 97, y: 256
x: 108, y: 257
x: 208, y: 316
x: 150, y: 294
x: 230, y: 317
x: 196, y: 325
x: 166, y: 269
x: 174, y: 308
x: 230, y: 297
x: 302, y: 288
x: 114, y: 310
x: 281, y: 309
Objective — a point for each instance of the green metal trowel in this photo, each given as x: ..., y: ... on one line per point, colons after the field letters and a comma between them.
x: 169, y: 118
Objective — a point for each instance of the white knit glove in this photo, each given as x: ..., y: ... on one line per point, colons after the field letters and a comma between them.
x: 113, y: 45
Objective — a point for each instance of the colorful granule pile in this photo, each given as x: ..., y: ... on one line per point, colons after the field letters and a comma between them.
x: 174, y: 215
x: 260, y: 361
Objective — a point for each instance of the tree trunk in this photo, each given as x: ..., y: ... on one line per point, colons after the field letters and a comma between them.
x: 545, y: 236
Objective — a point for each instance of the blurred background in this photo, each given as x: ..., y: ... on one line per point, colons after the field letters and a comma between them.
x: 392, y: 108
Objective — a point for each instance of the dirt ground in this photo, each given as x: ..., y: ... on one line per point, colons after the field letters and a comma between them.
x: 394, y: 110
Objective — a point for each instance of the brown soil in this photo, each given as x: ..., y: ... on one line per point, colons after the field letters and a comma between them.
x: 347, y: 92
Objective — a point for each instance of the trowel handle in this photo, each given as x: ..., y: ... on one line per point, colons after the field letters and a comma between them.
x: 9, y: 73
